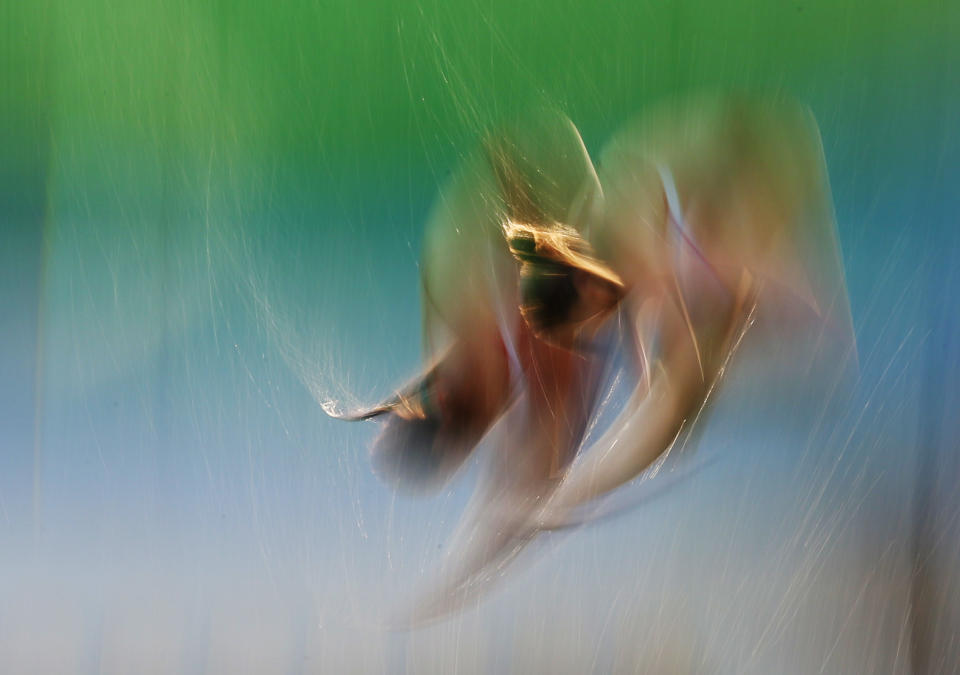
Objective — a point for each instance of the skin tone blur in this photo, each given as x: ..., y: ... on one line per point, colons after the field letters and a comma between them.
x: 538, y: 267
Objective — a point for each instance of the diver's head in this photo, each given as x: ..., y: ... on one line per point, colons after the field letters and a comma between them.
x: 550, y: 198
x: 562, y: 284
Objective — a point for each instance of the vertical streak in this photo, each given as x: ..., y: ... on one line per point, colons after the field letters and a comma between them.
x: 925, y: 584
x: 45, y: 111
x: 38, y: 372
x: 930, y: 584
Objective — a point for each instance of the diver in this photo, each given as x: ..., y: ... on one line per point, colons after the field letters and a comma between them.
x: 538, y: 268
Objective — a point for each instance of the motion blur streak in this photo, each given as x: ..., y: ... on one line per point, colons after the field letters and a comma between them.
x: 212, y: 217
x: 529, y: 340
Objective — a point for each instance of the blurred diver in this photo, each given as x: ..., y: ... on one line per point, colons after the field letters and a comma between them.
x: 537, y: 270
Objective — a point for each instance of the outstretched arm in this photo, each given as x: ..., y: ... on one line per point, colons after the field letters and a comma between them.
x: 656, y: 413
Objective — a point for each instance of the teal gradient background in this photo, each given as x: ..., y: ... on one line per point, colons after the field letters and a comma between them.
x: 211, y: 216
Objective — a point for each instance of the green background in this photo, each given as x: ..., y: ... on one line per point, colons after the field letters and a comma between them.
x: 211, y: 216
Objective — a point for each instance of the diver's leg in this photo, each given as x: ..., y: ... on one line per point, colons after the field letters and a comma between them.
x: 433, y: 425
x: 534, y: 445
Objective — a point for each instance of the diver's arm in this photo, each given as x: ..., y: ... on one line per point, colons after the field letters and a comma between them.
x: 690, y: 364
x: 648, y: 424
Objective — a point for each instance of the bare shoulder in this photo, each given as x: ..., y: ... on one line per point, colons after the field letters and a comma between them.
x: 724, y: 155
x: 702, y: 133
